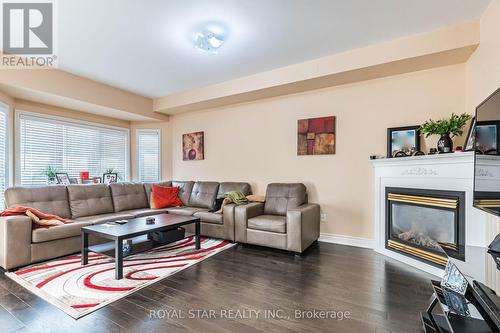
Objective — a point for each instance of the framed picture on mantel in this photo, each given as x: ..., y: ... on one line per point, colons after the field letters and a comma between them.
x: 403, y: 140
x: 484, y: 136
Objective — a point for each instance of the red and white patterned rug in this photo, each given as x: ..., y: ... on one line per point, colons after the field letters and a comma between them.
x: 79, y: 290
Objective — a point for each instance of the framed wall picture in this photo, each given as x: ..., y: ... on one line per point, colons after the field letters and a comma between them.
x: 403, y: 139
x: 63, y: 178
x: 109, y: 178
x: 316, y: 136
x: 484, y: 136
x: 193, y: 147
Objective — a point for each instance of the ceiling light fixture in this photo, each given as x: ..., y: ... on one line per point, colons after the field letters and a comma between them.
x: 209, y: 36
x: 208, y: 42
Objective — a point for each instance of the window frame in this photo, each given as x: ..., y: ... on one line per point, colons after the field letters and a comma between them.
x: 8, y: 149
x: 138, y: 156
x: 19, y: 113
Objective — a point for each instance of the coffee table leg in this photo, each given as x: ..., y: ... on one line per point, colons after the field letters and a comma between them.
x: 118, y: 259
x: 85, y: 248
x: 197, y: 234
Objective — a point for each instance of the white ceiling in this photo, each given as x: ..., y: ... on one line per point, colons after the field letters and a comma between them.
x: 145, y: 46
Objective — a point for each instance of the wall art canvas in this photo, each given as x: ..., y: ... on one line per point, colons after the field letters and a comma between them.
x: 193, y: 147
x: 316, y: 136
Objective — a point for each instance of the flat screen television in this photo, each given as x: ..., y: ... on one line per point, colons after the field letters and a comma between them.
x: 484, y: 139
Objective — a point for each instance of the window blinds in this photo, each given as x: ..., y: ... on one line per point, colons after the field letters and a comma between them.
x: 148, y: 155
x: 4, y: 149
x: 69, y: 147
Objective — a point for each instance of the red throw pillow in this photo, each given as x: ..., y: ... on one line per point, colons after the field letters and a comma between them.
x: 164, y: 197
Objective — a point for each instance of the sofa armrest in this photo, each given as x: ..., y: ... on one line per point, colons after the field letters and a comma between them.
x: 228, y: 219
x: 302, y: 227
x: 241, y: 215
x: 15, y: 241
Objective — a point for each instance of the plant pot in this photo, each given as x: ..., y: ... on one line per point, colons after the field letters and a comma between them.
x: 445, y: 144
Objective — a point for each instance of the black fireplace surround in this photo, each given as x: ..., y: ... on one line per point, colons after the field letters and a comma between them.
x: 418, y: 221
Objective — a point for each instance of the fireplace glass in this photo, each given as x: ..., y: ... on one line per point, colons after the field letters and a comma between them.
x: 420, y: 222
x: 423, y: 226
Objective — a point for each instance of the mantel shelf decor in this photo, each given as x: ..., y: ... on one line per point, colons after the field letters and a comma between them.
x: 447, y: 129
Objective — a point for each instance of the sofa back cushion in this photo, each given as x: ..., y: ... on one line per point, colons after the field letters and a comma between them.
x: 127, y: 196
x: 204, y: 194
x: 185, y: 188
x: 148, y: 187
x: 47, y: 199
x: 165, y: 197
x: 281, y: 197
x: 234, y: 186
x: 87, y: 200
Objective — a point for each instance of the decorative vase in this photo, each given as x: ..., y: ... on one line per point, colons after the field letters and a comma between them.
x: 445, y: 143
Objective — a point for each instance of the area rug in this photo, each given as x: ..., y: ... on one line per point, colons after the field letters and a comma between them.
x: 79, y: 290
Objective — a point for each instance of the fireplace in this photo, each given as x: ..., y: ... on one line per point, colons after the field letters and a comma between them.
x: 418, y: 221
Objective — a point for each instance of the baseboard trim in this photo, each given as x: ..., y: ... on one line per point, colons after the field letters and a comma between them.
x: 347, y: 240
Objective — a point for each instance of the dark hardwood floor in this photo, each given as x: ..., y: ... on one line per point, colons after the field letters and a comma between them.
x: 380, y: 294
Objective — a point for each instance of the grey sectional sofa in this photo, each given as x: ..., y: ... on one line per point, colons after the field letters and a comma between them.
x: 290, y: 223
x: 198, y: 198
x: 99, y: 203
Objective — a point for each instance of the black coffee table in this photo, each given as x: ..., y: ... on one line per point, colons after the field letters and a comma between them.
x: 137, y: 230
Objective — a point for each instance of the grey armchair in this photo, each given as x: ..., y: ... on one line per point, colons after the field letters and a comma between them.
x: 285, y: 221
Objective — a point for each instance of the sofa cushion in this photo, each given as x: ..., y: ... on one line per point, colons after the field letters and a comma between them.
x: 41, y: 235
x: 209, y: 217
x: 85, y: 200
x: 149, y: 186
x: 103, y: 218
x: 47, y: 199
x: 127, y: 196
x: 163, y: 197
x: 141, y: 212
x: 203, y: 194
x: 272, y: 223
x: 188, y: 211
x: 282, y: 197
x: 234, y: 186
x: 185, y: 190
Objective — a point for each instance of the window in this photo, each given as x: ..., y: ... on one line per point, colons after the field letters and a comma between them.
x: 4, y: 149
x: 67, y: 146
x: 148, y: 155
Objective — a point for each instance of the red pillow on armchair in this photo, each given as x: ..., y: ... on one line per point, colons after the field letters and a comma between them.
x: 164, y: 197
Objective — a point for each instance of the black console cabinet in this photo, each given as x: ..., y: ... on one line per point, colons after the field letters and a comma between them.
x: 478, y: 311
x: 440, y: 317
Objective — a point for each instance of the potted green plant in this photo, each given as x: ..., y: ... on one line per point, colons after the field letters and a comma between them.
x: 447, y: 128
x: 50, y: 172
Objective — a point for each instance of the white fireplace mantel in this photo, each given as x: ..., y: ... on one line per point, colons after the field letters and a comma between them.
x: 451, y: 172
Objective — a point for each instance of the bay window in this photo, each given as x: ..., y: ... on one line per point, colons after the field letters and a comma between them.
x: 69, y: 147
